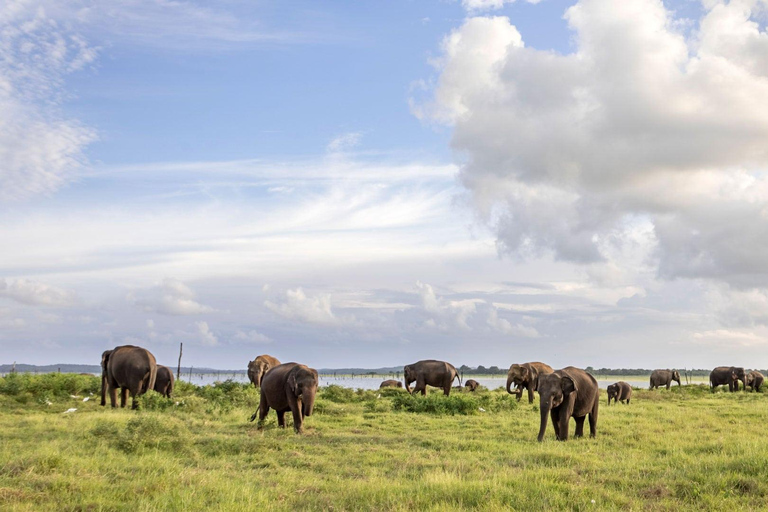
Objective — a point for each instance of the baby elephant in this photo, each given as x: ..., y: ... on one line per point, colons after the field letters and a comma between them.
x: 755, y: 380
x: 288, y: 387
x: 391, y: 383
x: 472, y: 385
x: 619, y: 391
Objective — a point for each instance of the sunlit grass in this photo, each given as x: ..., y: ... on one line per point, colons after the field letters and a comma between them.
x: 667, y: 450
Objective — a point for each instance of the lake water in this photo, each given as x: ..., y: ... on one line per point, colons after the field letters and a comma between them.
x: 373, y: 382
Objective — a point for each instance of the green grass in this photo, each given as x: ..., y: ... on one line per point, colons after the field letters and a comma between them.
x: 364, y: 450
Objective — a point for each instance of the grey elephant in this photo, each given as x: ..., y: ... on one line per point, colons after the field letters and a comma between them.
x: 664, y: 378
x: 288, y: 387
x: 565, y: 394
x: 755, y: 380
x: 730, y: 375
x: 471, y: 385
x: 132, y: 369
x: 430, y: 372
x: 259, y: 366
x: 164, y: 381
x: 391, y: 383
x: 104, y: 360
x: 619, y: 392
x: 526, y: 376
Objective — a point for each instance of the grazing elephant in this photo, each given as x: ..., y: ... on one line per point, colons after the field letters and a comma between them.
x: 755, y: 380
x: 259, y: 366
x: 391, y: 383
x: 526, y: 376
x: 619, y: 391
x: 566, y: 393
x: 730, y: 375
x: 472, y: 385
x: 288, y: 387
x: 164, y: 381
x: 132, y: 369
x: 429, y: 372
x: 664, y: 378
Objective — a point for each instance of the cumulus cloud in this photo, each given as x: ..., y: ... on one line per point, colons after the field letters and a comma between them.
x: 299, y: 306
x: 642, y: 124
x: 204, y: 335
x: 170, y: 297
x: 34, y: 293
x: 488, y: 5
x: 505, y: 326
x: 446, y: 314
x: 252, y: 336
x: 40, y: 148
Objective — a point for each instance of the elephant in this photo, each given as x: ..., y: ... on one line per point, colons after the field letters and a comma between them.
x: 132, y: 369
x: 566, y: 393
x: 438, y: 374
x: 526, y: 376
x: 164, y: 381
x: 259, y: 366
x: 472, y: 385
x: 288, y: 387
x: 730, y: 375
x: 391, y: 383
x: 664, y: 378
x: 619, y: 391
x: 755, y: 380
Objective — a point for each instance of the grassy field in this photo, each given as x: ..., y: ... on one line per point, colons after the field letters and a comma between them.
x: 668, y: 450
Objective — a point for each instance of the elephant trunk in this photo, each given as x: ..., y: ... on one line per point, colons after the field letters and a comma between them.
x: 257, y: 379
x: 509, y: 385
x: 545, y: 408
x: 308, y: 403
x: 104, y: 388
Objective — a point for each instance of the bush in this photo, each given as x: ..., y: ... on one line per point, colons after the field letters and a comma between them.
x: 435, y: 403
x: 49, y: 385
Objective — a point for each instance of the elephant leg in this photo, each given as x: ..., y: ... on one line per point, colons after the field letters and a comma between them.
x: 579, y: 426
x: 134, y: 404
x: 281, y: 419
x: 297, y: 418
x: 113, y: 396
x: 519, y: 393
x: 593, y: 420
x: 123, y: 397
x: 563, y: 425
x: 421, y: 386
x: 555, y: 423
x: 262, y: 411
x: 530, y: 393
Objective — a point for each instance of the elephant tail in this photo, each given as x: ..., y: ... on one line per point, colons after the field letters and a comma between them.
x: 458, y: 375
x: 150, y: 378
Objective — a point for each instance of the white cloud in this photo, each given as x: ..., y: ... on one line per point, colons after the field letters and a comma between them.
x: 641, y: 125
x: 252, y: 336
x: 474, y: 6
x: 34, y: 293
x: 170, y: 297
x: 740, y: 337
x: 205, y: 336
x: 40, y: 148
x: 505, y: 326
x: 299, y: 306
x: 345, y: 142
x: 446, y: 313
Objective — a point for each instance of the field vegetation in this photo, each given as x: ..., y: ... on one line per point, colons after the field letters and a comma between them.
x: 374, y: 450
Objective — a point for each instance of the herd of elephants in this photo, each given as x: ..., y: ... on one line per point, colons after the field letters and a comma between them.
x: 564, y: 394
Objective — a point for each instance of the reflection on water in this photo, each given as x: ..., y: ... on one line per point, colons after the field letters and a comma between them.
x: 373, y: 381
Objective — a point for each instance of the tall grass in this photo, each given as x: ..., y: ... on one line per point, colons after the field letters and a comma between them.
x: 369, y: 450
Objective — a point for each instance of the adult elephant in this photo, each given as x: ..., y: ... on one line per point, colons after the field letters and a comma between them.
x: 288, y: 387
x: 526, y: 376
x: 430, y: 372
x: 391, y: 383
x: 259, y: 366
x: 132, y: 369
x: 472, y: 385
x: 754, y: 380
x: 664, y: 378
x: 566, y: 393
x: 164, y: 381
x: 619, y: 392
x: 730, y: 375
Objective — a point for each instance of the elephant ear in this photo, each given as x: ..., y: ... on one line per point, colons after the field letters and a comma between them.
x: 292, y: 382
x: 569, y: 386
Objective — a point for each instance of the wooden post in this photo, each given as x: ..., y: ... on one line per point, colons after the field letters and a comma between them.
x: 178, y: 368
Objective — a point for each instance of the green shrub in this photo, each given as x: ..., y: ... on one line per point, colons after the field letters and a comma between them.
x: 435, y: 403
x: 153, y: 432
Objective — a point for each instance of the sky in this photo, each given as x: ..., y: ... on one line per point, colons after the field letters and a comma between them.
x: 373, y: 183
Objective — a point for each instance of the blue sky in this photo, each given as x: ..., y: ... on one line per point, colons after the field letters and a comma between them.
x: 373, y: 183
